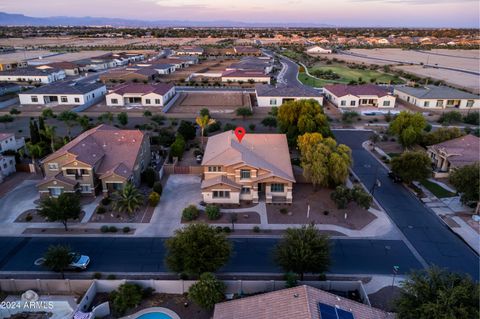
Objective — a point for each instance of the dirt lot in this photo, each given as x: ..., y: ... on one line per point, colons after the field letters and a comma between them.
x: 217, y: 102
x: 320, y: 203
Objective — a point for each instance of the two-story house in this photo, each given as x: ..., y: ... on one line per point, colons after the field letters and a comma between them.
x: 102, y: 159
x: 257, y: 168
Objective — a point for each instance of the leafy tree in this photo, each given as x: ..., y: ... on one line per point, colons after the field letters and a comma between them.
x: 70, y: 118
x: 64, y: 207
x: 441, y: 135
x: 438, y: 294
x: 34, y: 151
x: 127, y: 296
x: 204, y: 122
x: 342, y: 196
x: 129, y: 199
x: 84, y: 122
x: 303, y: 250
x: 207, y: 291
x: 204, y: 112
x: 187, y: 130
x: 269, y: 122
x: 244, y: 112
x: 165, y: 137
x: 58, y: 258
x: 408, y: 127
x: 212, y: 212
x: 361, y: 197
x: 5, y: 119
x: 106, y: 117
x: 178, y: 147
x: 48, y: 113
x: 196, y: 249
x: 122, y: 118
x: 450, y: 118
x: 324, y: 162
x: 466, y: 181
x: 49, y: 133
x: 472, y: 118
x: 412, y: 166
x: 14, y: 111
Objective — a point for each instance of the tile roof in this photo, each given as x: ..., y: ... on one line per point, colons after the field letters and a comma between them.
x: 266, y: 151
x: 357, y: 90
x: 436, y: 92
x: 106, y: 147
x: 63, y: 65
x: 59, y: 177
x: 66, y: 88
x: 30, y: 71
x: 4, y: 136
x: 286, y: 91
x: 461, y: 151
x: 293, y: 303
x: 246, y: 49
x: 159, y: 88
x: 244, y: 74
x: 222, y: 179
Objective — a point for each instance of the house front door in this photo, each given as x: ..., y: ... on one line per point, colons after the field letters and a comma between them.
x: 261, y: 188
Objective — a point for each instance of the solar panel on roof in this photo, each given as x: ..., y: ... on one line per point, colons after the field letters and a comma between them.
x: 343, y: 314
x: 327, y: 311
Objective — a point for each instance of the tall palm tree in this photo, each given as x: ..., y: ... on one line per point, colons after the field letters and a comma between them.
x: 35, y: 151
x: 49, y: 133
x: 204, y: 122
x: 129, y: 199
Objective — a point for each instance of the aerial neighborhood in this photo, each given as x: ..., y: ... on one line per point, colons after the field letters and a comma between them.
x: 184, y: 169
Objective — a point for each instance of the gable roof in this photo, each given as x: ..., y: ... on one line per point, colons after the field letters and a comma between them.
x: 66, y: 88
x: 357, y: 90
x: 222, y: 179
x: 436, y: 92
x: 299, y: 302
x: 159, y: 88
x: 461, y: 151
x: 266, y: 151
x: 286, y: 91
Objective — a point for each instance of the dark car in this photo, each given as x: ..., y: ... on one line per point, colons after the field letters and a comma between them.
x: 395, y: 178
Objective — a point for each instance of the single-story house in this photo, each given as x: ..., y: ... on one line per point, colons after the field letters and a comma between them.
x: 141, y: 94
x: 129, y: 74
x: 70, y: 68
x: 455, y: 153
x: 353, y: 96
x: 437, y: 97
x: 188, y: 59
x: 247, y: 50
x: 252, y: 63
x: 245, y: 76
x: 254, y: 169
x: 189, y: 51
x: 177, y: 63
x: 66, y: 93
x: 270, y: 96
x: 31, y: 74
x: 318, y: 50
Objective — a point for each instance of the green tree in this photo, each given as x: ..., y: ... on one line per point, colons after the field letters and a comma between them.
x: 178, y: 147
x: 441, y: 135
x: 197, y: 248
x: 187, y: 130
x: 341, y: 196
x: 244, y: 112
x: 48, y: 113
x: 203, y: 122
x: 408, y: 127
x: 324, y: 162
x: 269, y: 122
x: 303, y: 250
x: 70, y: 119
x: 64, y: 207
x: 6, y: 118
x: 412, y: 166
x: 207, y: 291
x: 106, y: 117
x: 84, y: 122
x: 466, y: 181
x: 127, y: 296
x: 49, y: 133
x: 122, y: 118
x: 450, y: 118
x: 34, y: 151
x: 438, y: 294
x: 58, y: 258
x: 204, y: 112
x: 129, y: 199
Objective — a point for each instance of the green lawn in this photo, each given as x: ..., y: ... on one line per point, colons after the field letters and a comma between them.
x: 308, y: 80
x: 436, y: 189
x: 347, y: 74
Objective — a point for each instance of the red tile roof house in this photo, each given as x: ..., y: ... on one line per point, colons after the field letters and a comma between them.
x: 354, y: 96
x: 102, y: 159
x: 454, y: 153
x: 141, y: 95
x: 302, y: 302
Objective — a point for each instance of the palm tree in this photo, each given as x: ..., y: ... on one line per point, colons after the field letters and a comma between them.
x: 129, y: 199
x: 49, y: 132
x: 204, y: 122
x: 35, y: 151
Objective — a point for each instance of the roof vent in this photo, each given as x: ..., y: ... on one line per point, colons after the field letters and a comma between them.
x: 83, y: 144
x: 295, y: 295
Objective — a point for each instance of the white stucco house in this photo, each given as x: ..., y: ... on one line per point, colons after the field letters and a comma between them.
x: 271, y: 96
x: 245, y: 76
x: 64, y: 93
x: 141, y: 94
x: 7, y: 166
x: 32, y: 75
x: 437, y: 97
x: 354, y: 96
x: 8, y: 142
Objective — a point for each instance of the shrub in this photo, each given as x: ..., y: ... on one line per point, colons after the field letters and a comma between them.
x: 252, y: 127
x: 126, y: 229
x: 228, y: 127
x: 227, y: 229
x: 106, y: 201
x: 450, y: 117
x: 127, y: 296
x: 153, y: 199
x: 28, y: 218
x: 178, y: 147
x: 290, y: 279
x: 218, y: 229
x: 104, y: 229
x: 158, y: 188
x: 149, y: 176
x: 187, y: 130
x: 283, y: 211
x: 207, y: 291
x: 101, y: 210
x: 111, y: 277
x: 256, y: 229
x: 472, y: 118
x: 190, y: 213
x: 212, y: 212
x: 97, y: 275
x: 112, y: 229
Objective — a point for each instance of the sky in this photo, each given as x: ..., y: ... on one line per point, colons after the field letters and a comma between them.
x: 395, y: 13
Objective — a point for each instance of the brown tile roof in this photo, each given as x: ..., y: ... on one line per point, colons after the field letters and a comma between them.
x: 266, y: 151
x: 59, y: 177
x: 159, y: 88
x: 105, y: 147
x: 219, y: 180
x: 4, y: 136
x: 464, y: 150
x: 357, y: 90
x: 294, y: 303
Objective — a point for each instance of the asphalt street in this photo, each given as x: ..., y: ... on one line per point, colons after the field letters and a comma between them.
x: 433, y: 240
x: 113, y: 254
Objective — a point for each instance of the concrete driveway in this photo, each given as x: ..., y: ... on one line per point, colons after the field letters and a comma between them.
x: 179, y: 192
x: 18, y: 200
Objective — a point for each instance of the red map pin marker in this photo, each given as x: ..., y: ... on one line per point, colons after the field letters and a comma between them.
x: 239, y: 133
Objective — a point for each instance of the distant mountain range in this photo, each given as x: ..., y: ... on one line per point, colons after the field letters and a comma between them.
x: 10, y: 19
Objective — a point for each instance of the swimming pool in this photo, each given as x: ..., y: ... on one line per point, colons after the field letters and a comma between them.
x: 155, y: 315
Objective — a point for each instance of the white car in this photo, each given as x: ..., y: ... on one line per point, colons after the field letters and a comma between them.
x: 79, y: 262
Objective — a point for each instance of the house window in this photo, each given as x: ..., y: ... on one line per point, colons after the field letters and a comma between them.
x: 221, y: 194
x: 439, y: 103
x: 117, y: 186
x: 426, y: 103
x: 470, y: 103
x: 352, y: 103
x: 63, y: 99
x: 53, y: 166
x: 70, y: 171
x: 77, y: 100
x: 450, y: 102
x: 246, y: 190
x: 214, y: 168
x: 386, y: 103
x: 34, y: 99
x: 55, y: 191
x: 244, y: 174
x: 273, y: 101
x: 343, y: 103
x: 157, y: 101
x: 84, y: 172
x: 85, y: 188
x: 147, y: 101
x: 114, y: 101
x: 276, y: 188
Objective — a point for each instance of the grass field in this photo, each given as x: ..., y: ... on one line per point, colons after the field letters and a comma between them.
x: 308, y: 80
x: 436, y: 189
x: 348, y: 74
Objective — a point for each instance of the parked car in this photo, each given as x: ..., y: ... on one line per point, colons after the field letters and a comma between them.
x: 394, y: 177
x: 199, y: 158
x: 79, y: 262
